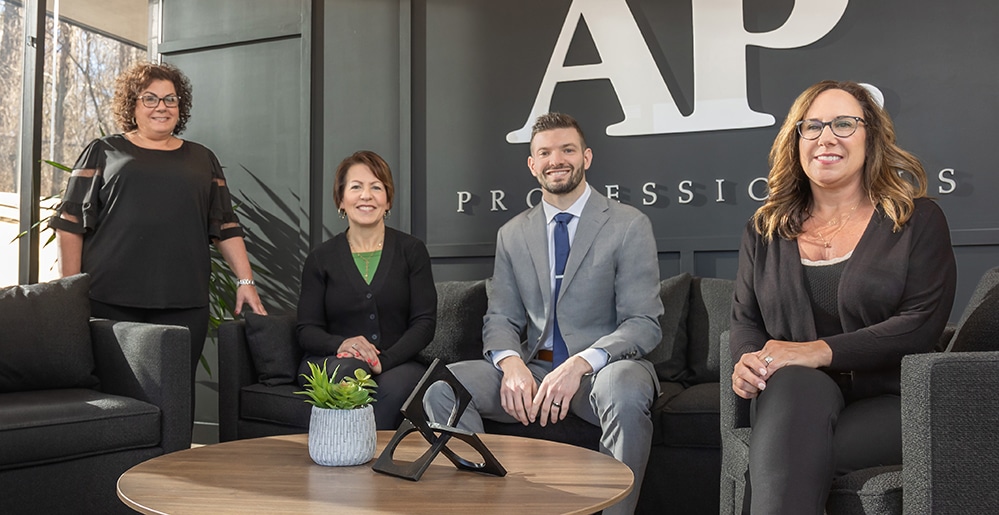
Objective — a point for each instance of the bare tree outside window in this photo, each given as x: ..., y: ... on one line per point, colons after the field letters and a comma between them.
x: 81, y: 65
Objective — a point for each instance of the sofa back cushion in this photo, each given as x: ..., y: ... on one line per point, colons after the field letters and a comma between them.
x: 45, y: 336
x: 274, y: 349
x: 670, y: 357
x: 979, y: 324
x: 710, y: 315
x: 460, y: 308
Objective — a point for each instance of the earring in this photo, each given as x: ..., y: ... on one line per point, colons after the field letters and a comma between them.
x: 386, y: 215
x: 343, y: 213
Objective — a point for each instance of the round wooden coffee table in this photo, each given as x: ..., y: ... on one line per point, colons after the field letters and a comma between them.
x: 276, y: 475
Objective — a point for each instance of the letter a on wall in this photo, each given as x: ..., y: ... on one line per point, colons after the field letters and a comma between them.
x: 720, y: 40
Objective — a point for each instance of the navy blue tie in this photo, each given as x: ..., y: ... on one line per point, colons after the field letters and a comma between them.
x: 560, y: 352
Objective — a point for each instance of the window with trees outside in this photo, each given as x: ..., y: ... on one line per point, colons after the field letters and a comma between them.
x: 88, y: 43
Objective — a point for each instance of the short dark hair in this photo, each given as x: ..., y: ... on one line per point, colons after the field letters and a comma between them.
x: 551, y: 121
x: 367, y: 158
x: 137, y: 78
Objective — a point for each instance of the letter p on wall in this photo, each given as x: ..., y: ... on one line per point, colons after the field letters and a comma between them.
x: 720, y: 41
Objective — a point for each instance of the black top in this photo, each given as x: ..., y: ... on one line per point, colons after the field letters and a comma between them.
x: 397, y: 312
x: 822, y: 285
x: 147, y: 218
x: 894, y: 297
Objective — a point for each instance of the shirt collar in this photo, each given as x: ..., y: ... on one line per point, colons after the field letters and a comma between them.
x: 576, y: 209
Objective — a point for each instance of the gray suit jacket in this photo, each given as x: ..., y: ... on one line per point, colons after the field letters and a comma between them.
x: 610, y: 291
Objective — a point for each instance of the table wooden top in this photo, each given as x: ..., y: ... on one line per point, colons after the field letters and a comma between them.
x: 276, y: 475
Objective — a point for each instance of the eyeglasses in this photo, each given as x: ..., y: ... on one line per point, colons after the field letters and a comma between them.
x: 152, y: 101
x: 841, y: 126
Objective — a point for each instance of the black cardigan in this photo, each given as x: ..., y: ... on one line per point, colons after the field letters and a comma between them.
x: 397, y: 312
x: 895, y: 294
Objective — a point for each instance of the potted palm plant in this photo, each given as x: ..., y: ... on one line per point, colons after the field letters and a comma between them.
x: 342, y: 427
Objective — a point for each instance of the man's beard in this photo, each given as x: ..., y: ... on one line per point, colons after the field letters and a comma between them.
x: 575, y: 177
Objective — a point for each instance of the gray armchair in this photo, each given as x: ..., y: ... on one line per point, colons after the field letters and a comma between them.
x: 82, y: 400
x: 950, y: 425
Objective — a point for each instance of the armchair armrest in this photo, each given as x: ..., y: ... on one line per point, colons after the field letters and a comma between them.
x: 950, y: 415
x: 236, y: 370
x: 733, y: 410
x: 151, y: 363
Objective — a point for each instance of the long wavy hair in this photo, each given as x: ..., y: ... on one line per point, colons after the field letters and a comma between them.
x: 892, y: 177
x: 133, y: 81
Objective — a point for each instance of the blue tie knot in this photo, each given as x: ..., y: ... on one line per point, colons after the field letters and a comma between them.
x: 563, y: 218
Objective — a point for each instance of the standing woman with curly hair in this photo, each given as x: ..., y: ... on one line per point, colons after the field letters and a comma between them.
x: 846, y: 268
x: 142, y: 207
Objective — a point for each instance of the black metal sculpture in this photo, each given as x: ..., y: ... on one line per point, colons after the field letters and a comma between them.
x: 436, y: 435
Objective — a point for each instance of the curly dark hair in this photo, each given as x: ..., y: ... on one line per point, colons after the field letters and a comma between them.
x: 133, y: 81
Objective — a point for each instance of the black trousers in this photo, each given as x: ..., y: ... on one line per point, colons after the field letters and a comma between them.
x: 194, y: 319
x: 394, y: 385
x: 807, y: 430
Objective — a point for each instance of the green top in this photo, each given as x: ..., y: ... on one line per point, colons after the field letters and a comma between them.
x: 367, y: 263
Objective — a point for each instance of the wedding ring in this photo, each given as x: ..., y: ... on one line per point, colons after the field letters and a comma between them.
x: 768, y: 360
x: 557, y: 404
x: 353, y: 346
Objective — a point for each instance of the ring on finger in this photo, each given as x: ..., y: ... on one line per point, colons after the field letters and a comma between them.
x: 557, y: 404
x: 768, y: 360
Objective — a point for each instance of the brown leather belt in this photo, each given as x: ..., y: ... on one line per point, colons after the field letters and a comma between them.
x: 544, y: 355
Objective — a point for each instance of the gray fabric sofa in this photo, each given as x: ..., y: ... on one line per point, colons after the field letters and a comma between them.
x: 950, y: 416
x: 83, y: 400
x: 258, y: 359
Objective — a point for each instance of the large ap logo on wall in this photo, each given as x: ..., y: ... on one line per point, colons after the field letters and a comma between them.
x: 720, y: 41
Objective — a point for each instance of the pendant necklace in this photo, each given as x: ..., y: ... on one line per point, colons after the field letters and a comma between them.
x: 363, y: 257
x: 827, y: 242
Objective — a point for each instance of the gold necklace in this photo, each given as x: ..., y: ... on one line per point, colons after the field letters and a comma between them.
x: 827, y: 242
x: 366, y: 259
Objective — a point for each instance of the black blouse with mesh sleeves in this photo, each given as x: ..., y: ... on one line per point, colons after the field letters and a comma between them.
x: 147, y: 218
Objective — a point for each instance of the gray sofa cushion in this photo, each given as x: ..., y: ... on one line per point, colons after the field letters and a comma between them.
x: 458, y: 337
x: 275, y: 404
x: 670, y: 357
x: 44, y: 426
x: 273, y: 347
x: 689, y: 418
x: 45, y: 342
x: 710, y: 314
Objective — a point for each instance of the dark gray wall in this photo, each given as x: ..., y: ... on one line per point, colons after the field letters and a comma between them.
x: 249, y: 63
x: 478, y: 64
x: 436, y: 85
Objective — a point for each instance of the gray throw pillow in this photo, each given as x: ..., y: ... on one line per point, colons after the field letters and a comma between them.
x: 670, y: 357
x: 460, y: 308
x: 45, y: 336
x: 273, y: 347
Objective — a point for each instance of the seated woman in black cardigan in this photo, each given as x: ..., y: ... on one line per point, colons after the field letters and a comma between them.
x: 844, y: 269
x: 368, y: 298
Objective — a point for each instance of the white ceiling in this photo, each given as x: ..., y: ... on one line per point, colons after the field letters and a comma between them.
x: 126, y: 19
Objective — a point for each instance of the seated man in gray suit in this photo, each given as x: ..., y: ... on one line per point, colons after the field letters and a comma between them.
x: 597, y: 260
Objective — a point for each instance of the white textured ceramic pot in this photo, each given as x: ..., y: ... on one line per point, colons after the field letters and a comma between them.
x: 342, y: 437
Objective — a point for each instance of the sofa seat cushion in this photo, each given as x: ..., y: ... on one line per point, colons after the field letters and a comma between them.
x: 689, y: 418
x: 47, y: 426
x: 870, y: 490
x: 275, y: 404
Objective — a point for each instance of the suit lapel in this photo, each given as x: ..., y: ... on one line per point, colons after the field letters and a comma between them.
x: 592, y: 220
x: 536, y: 235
